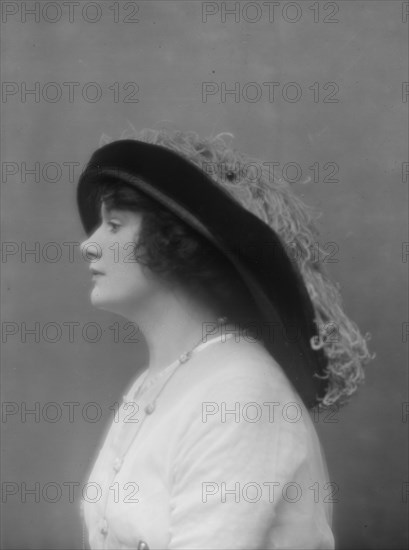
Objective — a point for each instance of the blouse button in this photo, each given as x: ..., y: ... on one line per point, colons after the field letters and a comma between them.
x: 142, y: 545
x: 117, y: 464
x: 150, y: 408
x: 103, y: 527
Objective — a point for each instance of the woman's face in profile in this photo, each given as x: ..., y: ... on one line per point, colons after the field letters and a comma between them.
x: 120, y: 284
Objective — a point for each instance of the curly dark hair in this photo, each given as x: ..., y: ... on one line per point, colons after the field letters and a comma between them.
x: 181, y: 256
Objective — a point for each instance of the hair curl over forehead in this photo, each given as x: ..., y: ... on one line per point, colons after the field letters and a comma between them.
x: 251, y: 183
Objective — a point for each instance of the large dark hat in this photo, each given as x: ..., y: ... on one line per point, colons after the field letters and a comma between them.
x: 253, y: 247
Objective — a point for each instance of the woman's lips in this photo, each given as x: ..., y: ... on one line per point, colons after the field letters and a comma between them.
x: 96, y: 272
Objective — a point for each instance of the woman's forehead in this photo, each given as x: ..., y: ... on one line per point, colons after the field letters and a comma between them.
x: 109, y: 210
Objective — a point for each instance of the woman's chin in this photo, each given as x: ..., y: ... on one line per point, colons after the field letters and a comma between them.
x: 110, y: 304
x: 100, y: 301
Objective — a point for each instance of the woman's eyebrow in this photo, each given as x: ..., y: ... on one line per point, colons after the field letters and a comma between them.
x: 110, y: 211
x: 114, y: 212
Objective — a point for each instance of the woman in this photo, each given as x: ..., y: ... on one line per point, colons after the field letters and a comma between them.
x: 213, y: 446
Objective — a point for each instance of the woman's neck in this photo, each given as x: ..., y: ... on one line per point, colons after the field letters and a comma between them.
x: 173, y: 324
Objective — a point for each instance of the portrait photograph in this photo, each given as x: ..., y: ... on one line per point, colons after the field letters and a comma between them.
x: 204, y: 275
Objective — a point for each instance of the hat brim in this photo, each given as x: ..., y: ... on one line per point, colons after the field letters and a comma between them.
x: 253, y: 247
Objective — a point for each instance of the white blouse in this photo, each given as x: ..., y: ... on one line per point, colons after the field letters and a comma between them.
x: 227, y: 457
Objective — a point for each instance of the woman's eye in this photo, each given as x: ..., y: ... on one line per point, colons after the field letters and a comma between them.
x: 114, y: 226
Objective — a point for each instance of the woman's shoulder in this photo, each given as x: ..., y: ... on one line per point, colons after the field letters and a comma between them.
x: 238, y: 392
x: 237, y: 367
x: 238, y: 389
x: 239, y: 356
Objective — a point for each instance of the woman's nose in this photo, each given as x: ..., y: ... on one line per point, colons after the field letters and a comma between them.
x: 90, y: 249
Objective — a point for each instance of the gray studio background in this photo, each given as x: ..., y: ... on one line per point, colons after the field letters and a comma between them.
x: 169, y: 53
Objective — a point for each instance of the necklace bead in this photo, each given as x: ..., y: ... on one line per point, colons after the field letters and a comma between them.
x: 117, y: 465
x: 185, y: 357
x: 150, y: 408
